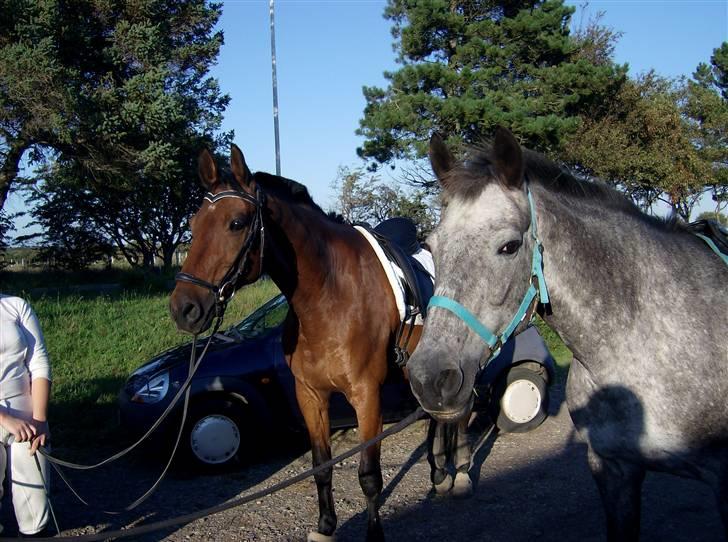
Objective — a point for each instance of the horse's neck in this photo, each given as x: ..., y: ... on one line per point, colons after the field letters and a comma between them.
x: 299, y: 258
x: 598, y: 266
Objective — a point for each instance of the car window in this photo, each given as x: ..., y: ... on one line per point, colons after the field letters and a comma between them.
x: 270, y: 315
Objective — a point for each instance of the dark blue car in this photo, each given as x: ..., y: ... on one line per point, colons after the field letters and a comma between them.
x: 244, y: 386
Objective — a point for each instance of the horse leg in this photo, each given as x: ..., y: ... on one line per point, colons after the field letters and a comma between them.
x: 315, y: 409
x: 437, y: 457
x: 369, y: 416
x: 463, y: 486
x: 620, y: 486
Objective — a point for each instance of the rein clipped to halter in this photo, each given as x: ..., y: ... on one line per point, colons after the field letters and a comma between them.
x: 536, y: 292
x: 225, y: 290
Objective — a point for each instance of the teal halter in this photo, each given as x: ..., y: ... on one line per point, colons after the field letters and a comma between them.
x: 536, y: 291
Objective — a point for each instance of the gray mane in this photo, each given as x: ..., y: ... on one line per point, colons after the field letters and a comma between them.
x: 472, y: 174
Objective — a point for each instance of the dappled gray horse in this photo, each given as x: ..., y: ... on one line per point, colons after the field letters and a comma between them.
x: 642, y: 303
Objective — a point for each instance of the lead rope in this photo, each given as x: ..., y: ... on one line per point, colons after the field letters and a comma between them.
x: 47, y: 493
x: 56, y: 463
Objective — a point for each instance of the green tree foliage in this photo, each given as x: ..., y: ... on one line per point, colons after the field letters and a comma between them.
x: 721, y: 218
x: 470, y: 65
x: 705, y: 105
x: 658, y: 140
x: 69, y: 239
x: 6, y: 227
x: 641, y: 144
x: 117, y: 93
x: 362, y: 197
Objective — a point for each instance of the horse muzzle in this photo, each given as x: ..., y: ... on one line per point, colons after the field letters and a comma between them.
x: 440, y: 388
x: 190, y: 312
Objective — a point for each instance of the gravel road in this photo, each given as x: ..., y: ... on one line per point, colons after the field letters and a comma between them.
x: 535, y: 486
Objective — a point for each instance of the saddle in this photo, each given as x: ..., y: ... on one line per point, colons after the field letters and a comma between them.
x: 398, y: 238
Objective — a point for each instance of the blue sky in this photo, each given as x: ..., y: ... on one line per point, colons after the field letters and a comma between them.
x: 328, y: 50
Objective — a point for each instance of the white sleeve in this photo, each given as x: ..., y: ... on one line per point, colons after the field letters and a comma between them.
x: 37, y: 357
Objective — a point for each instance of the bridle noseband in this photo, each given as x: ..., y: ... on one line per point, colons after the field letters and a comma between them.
x: 536, y: 292
x: 225, y: 290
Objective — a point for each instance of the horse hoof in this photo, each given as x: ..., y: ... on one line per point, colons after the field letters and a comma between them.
x: 443, y: 488
x: 463, y: 486
x: 318, y: 537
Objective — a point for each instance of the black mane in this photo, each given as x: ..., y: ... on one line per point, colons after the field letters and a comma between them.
x: 291, y: 191
x: 472, y: 174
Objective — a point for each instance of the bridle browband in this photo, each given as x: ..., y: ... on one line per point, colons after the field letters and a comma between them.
x: 537, y: 292
x: 225, y: 290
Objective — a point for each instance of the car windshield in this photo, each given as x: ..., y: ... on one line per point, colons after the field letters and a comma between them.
x: 267, y: 317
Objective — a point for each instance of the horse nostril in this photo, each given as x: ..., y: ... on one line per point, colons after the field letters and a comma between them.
x: 449, y: 382
x: 191, y: 312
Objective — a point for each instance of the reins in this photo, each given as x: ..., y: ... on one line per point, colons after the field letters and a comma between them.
x: 536, y: 292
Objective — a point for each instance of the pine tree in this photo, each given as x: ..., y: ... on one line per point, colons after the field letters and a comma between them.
x: 706, y: 108
x: 471, y: 65
x: 117, y: 88
x: 115, y: 98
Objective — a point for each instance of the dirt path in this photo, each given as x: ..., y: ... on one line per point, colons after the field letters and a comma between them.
x: 531, y: 487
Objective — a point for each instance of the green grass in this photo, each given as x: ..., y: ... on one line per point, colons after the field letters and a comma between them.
x: 561, y: 353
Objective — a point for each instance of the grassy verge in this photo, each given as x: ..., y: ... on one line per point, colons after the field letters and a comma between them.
x: 96, y: 341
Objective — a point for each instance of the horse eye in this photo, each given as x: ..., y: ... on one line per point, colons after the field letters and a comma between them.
x: 237, y: 225
x: 511, y: 247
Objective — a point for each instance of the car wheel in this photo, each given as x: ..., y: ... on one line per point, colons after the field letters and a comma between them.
x: 520, y: 401
x: 214, y: 434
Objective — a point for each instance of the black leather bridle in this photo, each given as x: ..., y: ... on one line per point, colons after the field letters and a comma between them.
x: 225, y: 289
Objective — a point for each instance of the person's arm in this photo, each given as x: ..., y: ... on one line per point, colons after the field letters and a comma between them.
x: 40, y: 393
x: 39, y: 368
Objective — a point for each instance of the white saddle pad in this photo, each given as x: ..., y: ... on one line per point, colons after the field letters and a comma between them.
x: 394, y: 273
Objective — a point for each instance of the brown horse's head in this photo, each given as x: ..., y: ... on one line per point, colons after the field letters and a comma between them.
x: 226, y: 249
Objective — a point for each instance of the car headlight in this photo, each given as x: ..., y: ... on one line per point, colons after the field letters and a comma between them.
x: 153, y: 389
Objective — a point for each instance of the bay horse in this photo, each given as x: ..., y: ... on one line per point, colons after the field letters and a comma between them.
x: 641, y: 302
x: 340, y: 331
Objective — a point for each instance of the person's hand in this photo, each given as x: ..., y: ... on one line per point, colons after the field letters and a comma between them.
x: 42, y: 434
x: 22, y: 430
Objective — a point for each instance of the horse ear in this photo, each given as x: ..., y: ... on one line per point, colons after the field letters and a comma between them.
x: 508, y: 158
x: 441, y: 158
x: 207, y: 170
x: 240, y: 168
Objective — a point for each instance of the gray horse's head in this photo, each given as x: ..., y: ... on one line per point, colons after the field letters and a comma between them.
x: 482, y: 260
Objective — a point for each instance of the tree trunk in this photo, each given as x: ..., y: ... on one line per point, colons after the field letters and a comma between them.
x: 10, y: 167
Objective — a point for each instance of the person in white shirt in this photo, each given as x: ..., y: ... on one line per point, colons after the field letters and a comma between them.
x: 25, y: 383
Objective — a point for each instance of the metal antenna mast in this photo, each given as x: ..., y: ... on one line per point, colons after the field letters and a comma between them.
x: 275, y: 86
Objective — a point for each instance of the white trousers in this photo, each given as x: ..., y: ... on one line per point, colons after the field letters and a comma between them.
x: 26, y: 485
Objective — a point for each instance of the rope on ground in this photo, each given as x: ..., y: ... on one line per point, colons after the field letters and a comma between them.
x: 186, y: 518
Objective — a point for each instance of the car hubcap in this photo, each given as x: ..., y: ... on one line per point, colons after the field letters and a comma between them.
x: 521, y: 401
x: 215, y: 439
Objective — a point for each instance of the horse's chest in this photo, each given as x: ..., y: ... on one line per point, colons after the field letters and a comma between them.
x: 317, y: 367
